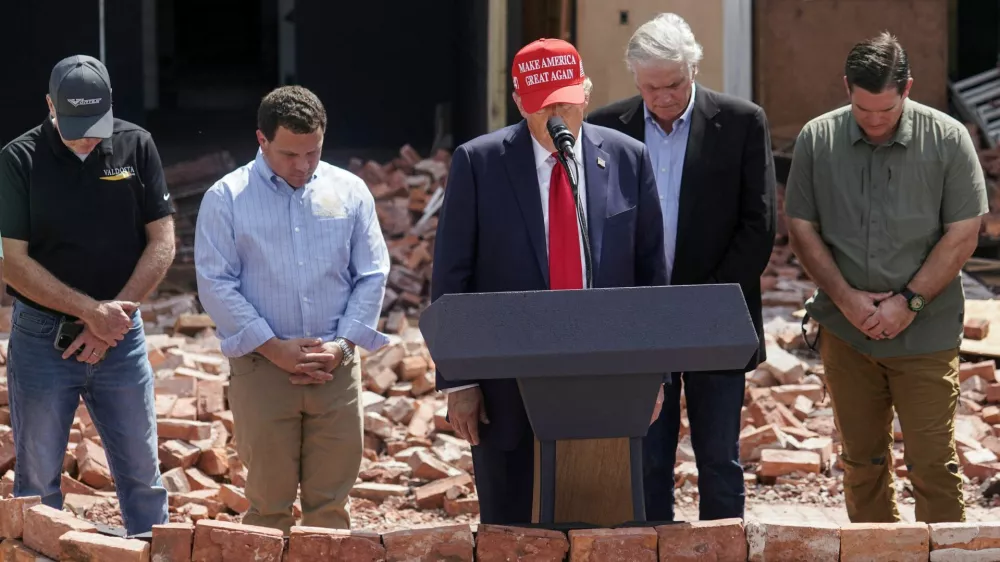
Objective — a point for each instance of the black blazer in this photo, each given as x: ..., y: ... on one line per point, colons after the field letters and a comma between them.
x: 727, y: 218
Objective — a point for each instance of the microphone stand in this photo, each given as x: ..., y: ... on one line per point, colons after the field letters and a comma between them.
x: 573, y: 172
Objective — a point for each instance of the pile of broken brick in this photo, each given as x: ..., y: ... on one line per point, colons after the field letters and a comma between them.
x: 415, y: 473
x: 789, y: 443
x: 34, y: 532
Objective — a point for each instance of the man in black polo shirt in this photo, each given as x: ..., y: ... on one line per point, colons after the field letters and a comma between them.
x: 87, y: 232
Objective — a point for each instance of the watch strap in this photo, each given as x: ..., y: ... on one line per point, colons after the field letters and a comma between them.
x: 348, y: 352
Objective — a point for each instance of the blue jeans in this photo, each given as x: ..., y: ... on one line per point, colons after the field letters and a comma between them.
x: 714, y: 401
x: 45, y: 391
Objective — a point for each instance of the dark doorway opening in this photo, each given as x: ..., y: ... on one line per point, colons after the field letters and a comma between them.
x: 215, y: 60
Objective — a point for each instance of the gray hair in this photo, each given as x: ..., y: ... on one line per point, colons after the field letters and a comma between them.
x: 588, y: 87
x: 667, y: 37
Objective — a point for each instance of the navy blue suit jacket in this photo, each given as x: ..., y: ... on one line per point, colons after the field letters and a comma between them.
x: 491, y: 235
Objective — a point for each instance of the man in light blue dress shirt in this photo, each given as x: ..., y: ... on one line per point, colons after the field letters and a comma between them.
x: 292, y: 267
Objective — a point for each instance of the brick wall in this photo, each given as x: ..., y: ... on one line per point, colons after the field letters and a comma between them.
x: 37, y: 532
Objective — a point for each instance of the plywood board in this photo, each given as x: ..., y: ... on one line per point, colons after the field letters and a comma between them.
x: 800, y: 49
x: 602, y: 38
x: 592, y: 482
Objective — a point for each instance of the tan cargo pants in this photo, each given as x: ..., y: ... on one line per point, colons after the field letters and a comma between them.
x: 290, y: 435
x: 924, y: 391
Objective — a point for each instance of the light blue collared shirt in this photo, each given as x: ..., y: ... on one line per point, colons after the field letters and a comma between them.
x: 667, y: 151
x: 276, y: 261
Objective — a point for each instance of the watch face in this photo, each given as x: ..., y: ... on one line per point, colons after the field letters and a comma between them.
x: 917, y: 303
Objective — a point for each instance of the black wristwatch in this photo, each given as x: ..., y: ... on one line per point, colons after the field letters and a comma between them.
x: 914, y: 301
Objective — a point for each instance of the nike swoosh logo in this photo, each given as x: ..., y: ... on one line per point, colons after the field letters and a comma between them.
x: 123, y: 175
x: 166, y: 196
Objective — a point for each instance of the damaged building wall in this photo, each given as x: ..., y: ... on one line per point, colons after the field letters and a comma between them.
x: 800, y: 47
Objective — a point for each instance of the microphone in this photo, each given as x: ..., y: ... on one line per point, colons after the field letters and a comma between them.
x: 561, y: 137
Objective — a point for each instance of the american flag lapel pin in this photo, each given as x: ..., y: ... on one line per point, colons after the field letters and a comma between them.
x: 600, y: 162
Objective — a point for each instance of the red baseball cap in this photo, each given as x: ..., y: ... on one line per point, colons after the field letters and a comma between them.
x: 548, y: 71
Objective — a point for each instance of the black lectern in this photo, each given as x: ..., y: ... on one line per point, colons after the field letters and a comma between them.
x: 589, y: 362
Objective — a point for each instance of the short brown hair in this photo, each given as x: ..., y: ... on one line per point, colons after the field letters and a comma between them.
x: 878, y: 63
x: 292, y: 107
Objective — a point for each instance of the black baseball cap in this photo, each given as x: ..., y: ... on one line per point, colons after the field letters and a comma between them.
x: 80, y: 89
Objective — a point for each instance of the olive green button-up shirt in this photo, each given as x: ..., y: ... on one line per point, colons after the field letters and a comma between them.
x: 881, y: 209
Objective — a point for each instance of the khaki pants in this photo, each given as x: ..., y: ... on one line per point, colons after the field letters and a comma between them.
x: 924, y: 391
x: 289, y: 435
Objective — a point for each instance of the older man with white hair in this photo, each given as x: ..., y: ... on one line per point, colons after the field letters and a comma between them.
x: 711, y: 153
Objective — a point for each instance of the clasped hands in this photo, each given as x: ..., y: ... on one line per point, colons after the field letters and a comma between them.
x: 104, y: 326
x: 306, y: 360
x: 880, y: 316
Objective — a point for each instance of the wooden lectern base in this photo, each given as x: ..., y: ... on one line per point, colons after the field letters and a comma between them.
x: 593, y: 483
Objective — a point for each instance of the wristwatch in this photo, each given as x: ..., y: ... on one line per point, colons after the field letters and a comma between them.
x: 913, y: 300
x: 348, y: 352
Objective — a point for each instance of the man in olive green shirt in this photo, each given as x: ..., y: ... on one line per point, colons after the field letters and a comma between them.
x: 884, y: 200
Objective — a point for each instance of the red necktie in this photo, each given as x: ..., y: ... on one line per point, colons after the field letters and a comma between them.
x: 565, y: 268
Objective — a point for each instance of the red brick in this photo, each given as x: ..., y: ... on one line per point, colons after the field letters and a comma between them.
x: 441, y: 422
x: 427, y: 467
x: 186, y: 409
x: 957, y: 541
x: 722, y: 540
x: 985, y: 370
x: 497, y: 543
x: 184, y: 430
x: 411, y: 367
x: 422, y: 421
x: 792, y: 543
x: 754, y: 441
x: 315, y: 544
x: 461, y: 506
x: 976, y: 328
x: 885, y: 542
x: 199, y: 480
x: 176, y: 453
x: 69, y: 485
x: 7, y: 450
x: 823, y: 446
x: 431, y: 496
x: 991, y: 414
x: 209, y: 499
x: 94, y: 547
x: 216, y: 541
x: 210, y: 398
x: 175, y: 481
x: 214, y: 462
x: 14, y: 551
x: 378, y: 492
x: 993, y: 392
x: 613, y: 545
x: 43, y: 525
x: 234, y: 498
x: 226, y: 418
x: 93, y: 465
x: 787, y: 393
x: 172, y: 542
x: 165, y: 404
x: 779, y: 463
x: 423, y: 384
x: 453, y: 543
x: 12, y: 515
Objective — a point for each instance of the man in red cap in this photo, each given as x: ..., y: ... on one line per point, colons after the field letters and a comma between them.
x: 512, y: 221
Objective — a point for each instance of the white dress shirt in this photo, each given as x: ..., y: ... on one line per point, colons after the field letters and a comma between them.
x: 544, y: 162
